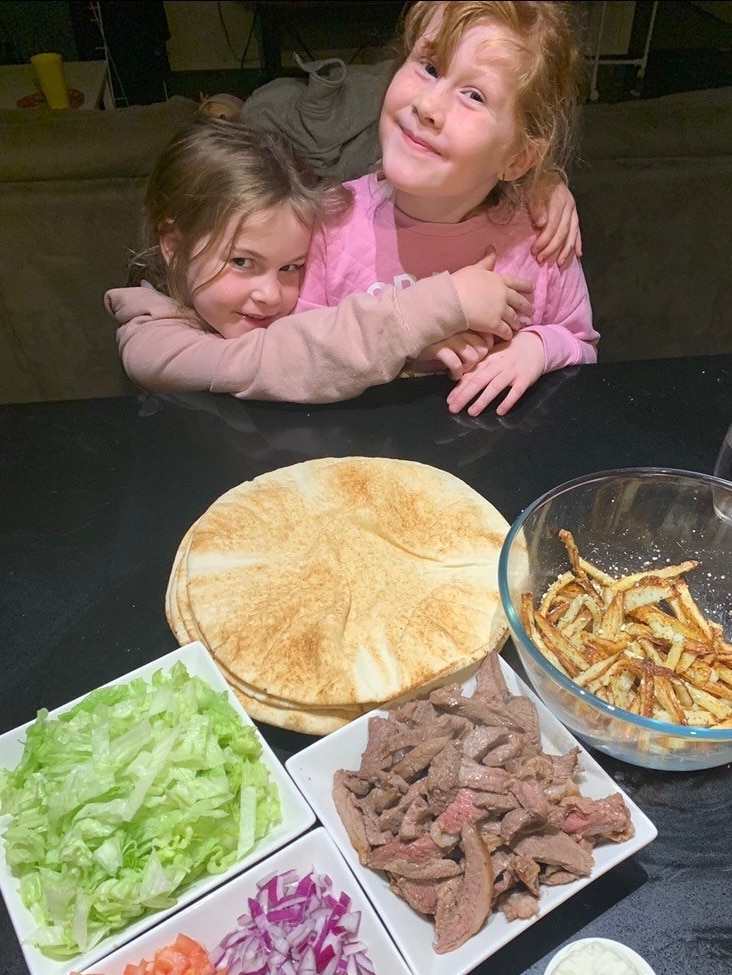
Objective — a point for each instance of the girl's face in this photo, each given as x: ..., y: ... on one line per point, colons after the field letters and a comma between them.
x: 259, y: 281
x: 447, y: 136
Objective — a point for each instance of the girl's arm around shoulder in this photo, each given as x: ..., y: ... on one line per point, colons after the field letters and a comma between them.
x: 316, y: 356
x: 566, y: 330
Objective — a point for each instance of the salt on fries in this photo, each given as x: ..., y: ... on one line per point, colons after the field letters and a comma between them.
x: 640, y: 642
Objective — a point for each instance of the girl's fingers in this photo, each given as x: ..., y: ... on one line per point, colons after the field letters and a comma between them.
x: 539, y: 215
x: 520, y: 304
x: 522, y: 285
x: 468, y: 388
x: 505, y: 328
x: 567, y: 253
x: 452, y: 362
x: 512, y: 321
x: 494, y: 387
x: 512, y: 397
x: 552, y: 248
x: 578, y: 241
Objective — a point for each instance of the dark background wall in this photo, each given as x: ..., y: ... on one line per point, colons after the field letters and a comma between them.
x: 691, y: 42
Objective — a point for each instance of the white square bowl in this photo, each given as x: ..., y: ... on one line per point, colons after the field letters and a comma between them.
x: 210, y: 919
x: 296, y: 818
x: 313, y: 770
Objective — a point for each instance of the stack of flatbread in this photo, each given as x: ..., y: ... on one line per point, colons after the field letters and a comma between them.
x: 328, y: 588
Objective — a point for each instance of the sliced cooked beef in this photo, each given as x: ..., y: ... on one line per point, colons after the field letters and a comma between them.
x: 419, y: 757
x: 511, y: 747
x: 531, y: 796
x: 526, y: 870
x: 351, y: 816
x: 608, y: 817
x: 524, y: 716
x: 448, y: 825
x: 517, y: 904
x: 457, y: 803
x: 480, y: 740
x: 372, y: 826
x: 564, y: 767
x: 378, y: 749
x: 474, y: 776
x: 556, y: 848
x: 428, y: 721
x: 381, y: 797
x: 388, y: 780
x: 474, y: 709
x: 443, y: 778
x: 518, y: 822
x: 554, y: 876
x: 419, y: 860
x: 447, y: 899
x: 495, y: 803
x: 391, y: 819
x: 489, y: 680
x: 419, y: 894
x: 359, y: 785
x: 416, y: 816
x: 472, y: 905
x: 418, y: 712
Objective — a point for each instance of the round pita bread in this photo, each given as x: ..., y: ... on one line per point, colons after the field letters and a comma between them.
x: 288, y: 716
x: 336, y: 584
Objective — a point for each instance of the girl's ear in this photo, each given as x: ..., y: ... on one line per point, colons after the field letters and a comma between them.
x: 168, y: 244
x: 527, y: 157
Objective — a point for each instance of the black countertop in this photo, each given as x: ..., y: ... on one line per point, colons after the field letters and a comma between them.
x: 95, y: 496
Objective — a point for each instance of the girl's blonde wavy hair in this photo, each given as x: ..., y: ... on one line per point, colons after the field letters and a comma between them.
x: 209, y: 172
x: 550, y: 76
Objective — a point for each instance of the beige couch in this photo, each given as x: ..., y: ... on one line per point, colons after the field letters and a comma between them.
x: 70, y: 190
x: 654, y: 187
x: 654, y: 190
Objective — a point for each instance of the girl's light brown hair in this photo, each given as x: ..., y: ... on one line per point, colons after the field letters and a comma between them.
x: 210, y: 171
x: 550, y: 73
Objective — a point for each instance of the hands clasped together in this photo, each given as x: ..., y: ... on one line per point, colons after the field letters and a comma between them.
x: 490, y: 357
x: 493, y: 355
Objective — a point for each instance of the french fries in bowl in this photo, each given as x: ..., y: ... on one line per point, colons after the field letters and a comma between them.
x: 617, y: 588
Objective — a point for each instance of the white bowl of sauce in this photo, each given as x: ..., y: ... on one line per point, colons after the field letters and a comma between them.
x: 598, y: 956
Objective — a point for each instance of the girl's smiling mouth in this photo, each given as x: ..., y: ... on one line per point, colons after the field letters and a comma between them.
x: 259, y: 321
x: 418, y: 144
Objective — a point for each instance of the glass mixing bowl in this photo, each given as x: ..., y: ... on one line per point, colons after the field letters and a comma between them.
x: 624, y: 521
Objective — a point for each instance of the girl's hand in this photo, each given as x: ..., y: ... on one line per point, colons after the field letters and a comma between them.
x: 493, y: 303
x: 454, y: 354
x: 513, y: 365
x: 556, y: 218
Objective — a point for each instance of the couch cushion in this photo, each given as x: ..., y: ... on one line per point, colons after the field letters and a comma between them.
x: 47, y: 145
x: 70, y: 193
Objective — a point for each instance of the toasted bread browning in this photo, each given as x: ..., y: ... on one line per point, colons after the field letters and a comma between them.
x: 334, y: 585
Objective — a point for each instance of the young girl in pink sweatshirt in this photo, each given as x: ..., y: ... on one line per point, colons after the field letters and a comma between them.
x: 229, y: 213
x: 476, y: 119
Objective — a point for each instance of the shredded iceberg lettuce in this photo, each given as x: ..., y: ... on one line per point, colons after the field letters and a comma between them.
x: 125, y: 800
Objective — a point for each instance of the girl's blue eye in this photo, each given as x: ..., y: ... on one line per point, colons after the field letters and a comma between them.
x: 476, y: 97
x: 244, y: 262
x: 291, y: 268
x: 430, y: 69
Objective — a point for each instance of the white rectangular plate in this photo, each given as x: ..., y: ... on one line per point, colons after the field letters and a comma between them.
x: 313, y: 770
x: 296, y: 818
x: 214, y: 916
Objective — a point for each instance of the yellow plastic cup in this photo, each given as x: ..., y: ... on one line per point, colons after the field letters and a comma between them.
x: 49, y: 71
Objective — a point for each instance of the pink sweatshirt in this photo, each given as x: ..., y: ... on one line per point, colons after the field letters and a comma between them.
x: 378, y: 247
x: 312, y: 357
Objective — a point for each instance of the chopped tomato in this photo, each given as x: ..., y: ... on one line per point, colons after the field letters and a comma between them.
x: 184, y: 957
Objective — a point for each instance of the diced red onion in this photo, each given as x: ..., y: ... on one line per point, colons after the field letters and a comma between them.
x: 295, y: 926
